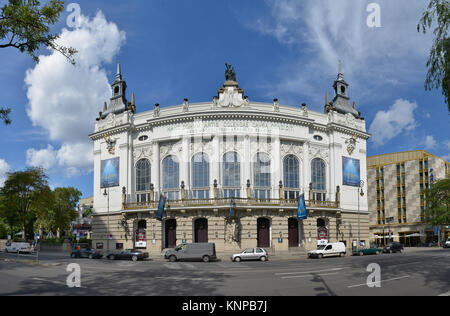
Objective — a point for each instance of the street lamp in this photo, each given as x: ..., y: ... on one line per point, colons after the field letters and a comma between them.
x: 107, y: 227
x: 361, y: 185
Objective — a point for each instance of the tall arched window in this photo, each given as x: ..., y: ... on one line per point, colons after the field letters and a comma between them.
x: 291, y: 177
x: 261, y: 176
x: 143, y: 179
x: 318, y: 179
x: 200, y: 176
x: 171, y: 177
x: 231, y: 174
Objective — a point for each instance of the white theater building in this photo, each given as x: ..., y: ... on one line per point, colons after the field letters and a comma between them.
x: 231, y: 169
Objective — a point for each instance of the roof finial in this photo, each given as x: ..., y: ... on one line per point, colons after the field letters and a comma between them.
x: 340, y: 66
x: 119, y: 73
x: 327, y: 100
x: 132, y: 99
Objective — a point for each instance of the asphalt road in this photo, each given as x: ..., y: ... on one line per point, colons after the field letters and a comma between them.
x: 418, y: 272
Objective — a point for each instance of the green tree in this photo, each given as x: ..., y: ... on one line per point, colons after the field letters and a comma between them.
x: 59, y: 211
x: 438, y: 203
x: 21, y: 197
x: 25, y: 25
x: 438, y: 76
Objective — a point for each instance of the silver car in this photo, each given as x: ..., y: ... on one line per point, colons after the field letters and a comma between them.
x: 251, y: 254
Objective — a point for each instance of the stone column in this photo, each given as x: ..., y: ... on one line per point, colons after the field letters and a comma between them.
x: 306, y: 167
x: 215, y: 163
x: 156, y: 167
x: 246, y: 163
x: 276, y: 171
x: 185, y: 161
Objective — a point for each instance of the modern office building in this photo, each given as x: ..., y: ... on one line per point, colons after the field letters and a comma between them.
x: 396, y: 184
x: 232, y: 170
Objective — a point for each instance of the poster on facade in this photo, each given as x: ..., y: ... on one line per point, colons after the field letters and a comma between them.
x: 350, y: 172
x: 109, y: 173
x: 141, y: 239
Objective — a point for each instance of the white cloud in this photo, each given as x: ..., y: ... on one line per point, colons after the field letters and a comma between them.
x: 430, y: 143
x: 4, y: 168
x: 64, y: 100
x: 44, y: 158
x: 389, y: 124
x: 324, y: 32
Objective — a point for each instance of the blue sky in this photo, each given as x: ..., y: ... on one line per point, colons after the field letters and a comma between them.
x: 170, y: 50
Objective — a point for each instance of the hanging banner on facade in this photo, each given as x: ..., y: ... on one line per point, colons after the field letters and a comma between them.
x: 161, y: 206
x: 141, y: 239
x: 350, y: 172
x: 109, y: 173
x: 302, y: 212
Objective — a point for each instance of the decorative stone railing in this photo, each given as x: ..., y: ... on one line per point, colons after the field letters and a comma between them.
x: 223, y: 202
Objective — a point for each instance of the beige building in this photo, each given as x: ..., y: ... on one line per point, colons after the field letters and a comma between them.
x: 396, y: 199
x: 205, y: 156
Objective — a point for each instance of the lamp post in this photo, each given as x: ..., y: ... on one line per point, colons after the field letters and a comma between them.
x: 107, y: 227
x: 361, y: 185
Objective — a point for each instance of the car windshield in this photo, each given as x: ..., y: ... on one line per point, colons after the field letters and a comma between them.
x: 321, y: 247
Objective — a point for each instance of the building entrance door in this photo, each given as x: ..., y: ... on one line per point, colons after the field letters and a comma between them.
x: 263, y: 232
x: 293, y: 232
x: 201, y: 230
x: 171, y: 233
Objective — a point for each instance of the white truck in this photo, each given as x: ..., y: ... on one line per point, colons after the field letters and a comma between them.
x: 328, y: 250
x: 447, y: 243
x: 18, y: 247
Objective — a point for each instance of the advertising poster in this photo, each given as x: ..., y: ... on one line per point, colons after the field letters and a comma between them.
x: 109, y: 173
x: 350, y: 172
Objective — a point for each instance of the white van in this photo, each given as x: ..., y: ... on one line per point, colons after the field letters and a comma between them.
x: 18, y: 247
x: 328, y: 250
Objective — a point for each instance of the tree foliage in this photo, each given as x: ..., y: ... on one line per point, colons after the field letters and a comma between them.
x: 438, y: 203
x: 21, y: 196
x: 438, y: 76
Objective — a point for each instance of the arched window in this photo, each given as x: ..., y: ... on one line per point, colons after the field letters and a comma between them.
x: 143, y: 179
x: 318, y: 179
x: 200, y: 176
x: 171, y: 177
x: 231, y: 174
x: 291, y: 177
x: 261, y: 176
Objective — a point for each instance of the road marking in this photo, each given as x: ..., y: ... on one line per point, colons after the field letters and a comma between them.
x: 53, y: 282
x: 309, y: 272
x: 388, y: 280
x: 309, y: 275
x: 445, y: 294
x: 184, y: 278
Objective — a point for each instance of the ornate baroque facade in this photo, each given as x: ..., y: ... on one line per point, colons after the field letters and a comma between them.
x: 231, y: 152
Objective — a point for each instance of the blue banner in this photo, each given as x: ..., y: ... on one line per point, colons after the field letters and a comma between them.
x: 161, y: 207
x: 350, y: 172
x: 231, y: 208
x: 302, y: 212
x: 109, y: 173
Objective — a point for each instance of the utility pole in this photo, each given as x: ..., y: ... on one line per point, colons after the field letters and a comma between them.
x: 361, y: 185
x: 107, y: 227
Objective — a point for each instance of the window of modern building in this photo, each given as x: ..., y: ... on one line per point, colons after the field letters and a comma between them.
x: 200, y: 176
x: 318, y: 179
x: 261, y: 176
x: 143, y: 169
x: 231, y: 173
x: 171, y: 177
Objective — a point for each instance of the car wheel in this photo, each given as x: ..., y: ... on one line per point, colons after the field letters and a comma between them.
x: 237, y: 259
x: 320, y: 256
x: 134, y: 258
x: 342, y: 254
x: 377, y: 253
x: 172, y: 258
x: 72, y: 255
x: 205, y: 258
x: 91, y: 257
x: 361, y: 253
x: 263, y: 258
x: 390, y: 251
x: 111, y: 257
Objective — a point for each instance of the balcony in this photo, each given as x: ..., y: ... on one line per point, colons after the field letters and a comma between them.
x: 237, y: 203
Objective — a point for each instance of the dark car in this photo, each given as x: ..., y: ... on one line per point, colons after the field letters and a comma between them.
x: 393, y: 248
x: 129, y: 254
x: 86, y: 253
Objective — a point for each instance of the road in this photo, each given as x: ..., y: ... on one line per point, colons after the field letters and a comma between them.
x: 418, y: 272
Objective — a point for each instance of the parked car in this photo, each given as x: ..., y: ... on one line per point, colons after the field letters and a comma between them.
x: 18, y: 247
x: 447, y: 243
x: 328, y: 250
x: 86, y: 253
x: 367, y: 251
x: 192, y: 252
x: 129, y: 254
x: 393, y: 248
x: 251, y: 254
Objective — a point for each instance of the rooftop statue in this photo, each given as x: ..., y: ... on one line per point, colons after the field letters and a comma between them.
x: 230, y: 74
